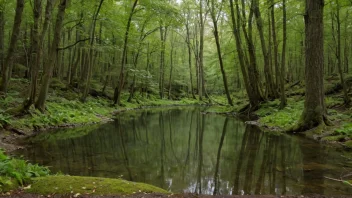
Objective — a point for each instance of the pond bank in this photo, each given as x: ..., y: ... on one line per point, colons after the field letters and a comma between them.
x: 270, y: 119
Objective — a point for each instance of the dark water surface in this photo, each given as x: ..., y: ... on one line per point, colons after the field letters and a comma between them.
x: 183, y: 150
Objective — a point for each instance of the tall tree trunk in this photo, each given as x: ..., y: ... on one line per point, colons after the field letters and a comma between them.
x: 255, y: 95
x: 7, y: 67
x: 270, y: 86
x: 188, y: 40
x: 119, y: 87
x: 218, y: 48
x: 48, y: 72
x: 283, y: 101
x: 2, y: 36
x: 163, y: 34
x: 201, y: 52
x: 314, y: 108
x: 91, y: 50
x: 253, y: 99
x: 171, y: 69
x: 37, y: 42
x: 276, y: 45
x: 346, y: 99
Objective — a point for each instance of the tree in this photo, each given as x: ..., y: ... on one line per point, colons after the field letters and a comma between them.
x: 2, y: 34
x: 91, y: 50
x: 270, y: 86
x: 49, y: 65
x: 283, y: 101
x: 215, y: 18
x: 188, y: 41
x: 37, y: 39
x: 314, y: 113
x: 7, y: 67
x: 119, y: 87
x: 248, y: 67
x: 347, y: 100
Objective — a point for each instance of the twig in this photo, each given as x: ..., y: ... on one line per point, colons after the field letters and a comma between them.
x: 339, y: 180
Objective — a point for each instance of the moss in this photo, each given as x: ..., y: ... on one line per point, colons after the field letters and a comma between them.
x: 271, y: 116
x: 334, y: 138
x: 348, y: 144
x: 8, y: 184
x: 88, y: 185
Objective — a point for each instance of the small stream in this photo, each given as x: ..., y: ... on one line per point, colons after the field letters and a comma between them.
x: 184, y: 150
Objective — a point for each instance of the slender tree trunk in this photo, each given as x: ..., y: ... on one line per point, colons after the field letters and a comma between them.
x: 7, y: 67
x: 119, y: 87
x: 347, y: 100
x: 276, y: 45
x: 283, y: 101
x: 254, y: 93
x: 188, y: 40
x: 163, y: 34
x: 171, y: 69
x: 254, y: 100
x: 35, y: 48
x: 201, y: 52
x: 91, y: 50
x: 218, y: 48
x: 314, y: 108
x: 43, y: 93
x: 270, y: 86
x: 2, y: 36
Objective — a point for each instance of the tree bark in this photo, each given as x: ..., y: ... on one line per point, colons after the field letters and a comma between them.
x: 218, y: 48
x: 276, y: 45
x: 2, y: 36
x: 314, y: 108
x: 188, y: 40
x: 49, y: 66
x: 346, y: 99
x: 283, y: 101
x: 119, y: 87
x: 163, y: 34
x: 7, y: 67
x: 270, y: 86
x: 253, y: 97
x: 91, y: 50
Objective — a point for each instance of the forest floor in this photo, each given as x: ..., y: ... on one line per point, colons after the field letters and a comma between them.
x: 159, y: 195
x: 65, y: 110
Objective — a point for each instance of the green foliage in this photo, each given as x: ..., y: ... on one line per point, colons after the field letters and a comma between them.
x: 17, y: 171
x: 346, y: 129
x: 333, y: 101
x: 4, y: 120
x: 64, y: 112
x: 272, y: 116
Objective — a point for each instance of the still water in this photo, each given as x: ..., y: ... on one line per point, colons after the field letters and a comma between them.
x: 184, y: 150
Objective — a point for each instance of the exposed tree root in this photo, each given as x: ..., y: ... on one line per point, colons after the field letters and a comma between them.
x: 315, y: 128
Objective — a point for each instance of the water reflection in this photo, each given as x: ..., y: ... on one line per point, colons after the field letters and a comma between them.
x: 184, y: 150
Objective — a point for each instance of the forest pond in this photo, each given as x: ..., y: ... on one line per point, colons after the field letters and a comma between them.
x: 185, y: 150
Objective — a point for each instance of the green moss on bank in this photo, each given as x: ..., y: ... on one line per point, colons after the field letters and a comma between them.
x: 270, y: 114
x: 63, y: 107
x: 64, y: 185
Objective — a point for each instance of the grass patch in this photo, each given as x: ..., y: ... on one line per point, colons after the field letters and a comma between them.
x: 270, y: 115
x: 15, y: 172
x: 64, y: 185
x: 63, y: 112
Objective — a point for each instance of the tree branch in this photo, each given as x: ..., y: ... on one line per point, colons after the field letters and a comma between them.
x: 69, y: 46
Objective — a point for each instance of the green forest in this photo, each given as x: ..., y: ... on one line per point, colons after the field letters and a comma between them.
x: 279, y: 68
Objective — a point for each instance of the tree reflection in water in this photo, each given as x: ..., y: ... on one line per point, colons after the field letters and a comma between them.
x: 185, y: 150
